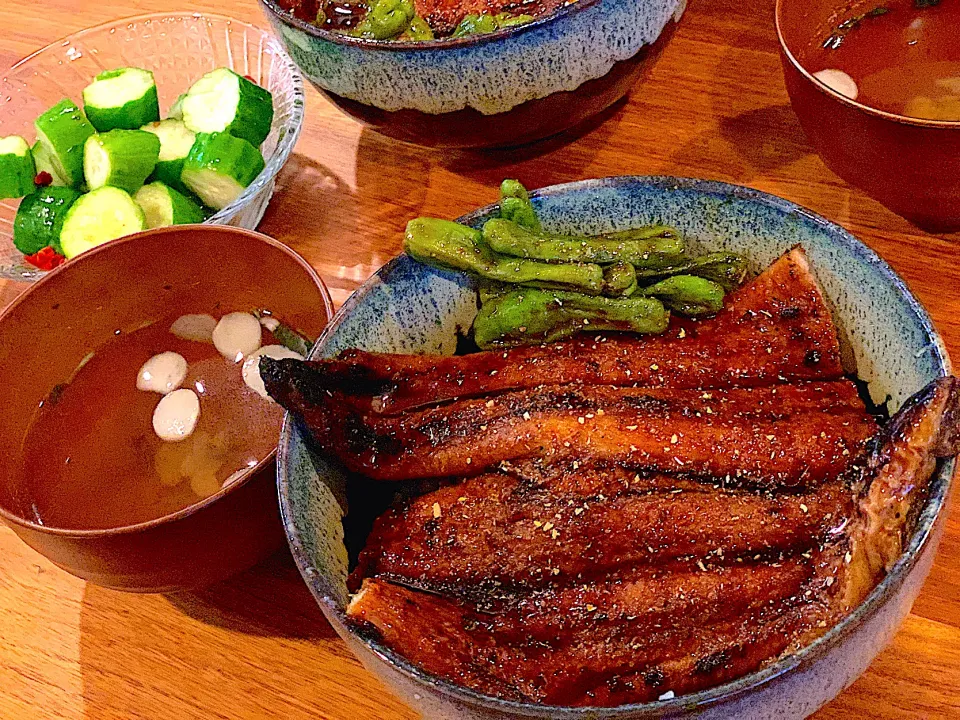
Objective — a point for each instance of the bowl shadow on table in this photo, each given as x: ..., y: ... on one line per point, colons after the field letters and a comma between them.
x: 560, y: 158
x: 767, y: 138
x: 764, y: 141
x: 166, y: 655
x: 317, y: 211
x: 269, y: 599
x: 399, y: 171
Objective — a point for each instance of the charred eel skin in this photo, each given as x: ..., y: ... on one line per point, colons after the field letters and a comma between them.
x: 638, y: 630
x: 776, y: 328
x: 788, y: 434
x: 668, y: 514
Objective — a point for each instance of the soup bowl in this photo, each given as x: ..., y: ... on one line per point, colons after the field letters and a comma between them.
x: 504, y: 88
x: 49, y: 330
x: 911, y: 166
x: 409, y: 308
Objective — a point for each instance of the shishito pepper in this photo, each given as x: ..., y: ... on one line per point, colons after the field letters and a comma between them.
x: 515, y: 205
x: 688, y: 295
x: 528, y: 316
x: 648, y: 247
x: 386, y: 19
x: 727, y: 269
x: 449, y: 245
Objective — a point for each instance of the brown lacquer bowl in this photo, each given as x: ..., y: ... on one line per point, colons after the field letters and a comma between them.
x: 912, y: 166
x: 50, y: 328
x: 499, y: 89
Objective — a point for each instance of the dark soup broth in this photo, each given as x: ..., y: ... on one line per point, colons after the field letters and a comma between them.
x: 92, y: 457
x: 902, y: 56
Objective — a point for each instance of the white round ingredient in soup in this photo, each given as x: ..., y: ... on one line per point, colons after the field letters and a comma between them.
x: 270, y: 323
x: 162, y: 373
x: 838, y: 81
x: 176, y: 415
x: 198, y: 328
x: 251, y: 366
x: 237, y: 336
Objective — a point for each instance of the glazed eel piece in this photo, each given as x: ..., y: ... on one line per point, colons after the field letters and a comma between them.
x: 631, y: 636
x: 776, y: 328
x: 565, y: 644
x: 782, y: 435
x: 492, y: 532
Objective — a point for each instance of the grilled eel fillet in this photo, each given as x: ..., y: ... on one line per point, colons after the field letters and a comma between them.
x: 776, y: 328
x: 782, y: 435
x: 677, y: 616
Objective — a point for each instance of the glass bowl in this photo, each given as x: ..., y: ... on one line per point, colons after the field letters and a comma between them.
x: 178, y: 48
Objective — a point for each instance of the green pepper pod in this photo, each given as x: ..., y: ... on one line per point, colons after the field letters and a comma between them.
x: 449, y: 245
x: 386, y: 19
x: 619, y: 280
x: 515, y: 205
x: 727, y: 269
x: 650, y: 247
x: 688, y: 294
x: 529, y: 317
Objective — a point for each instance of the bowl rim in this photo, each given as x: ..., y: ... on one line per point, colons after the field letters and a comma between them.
x: 285, y: 145
x: 843, y: 99
x: 290, y: 20
x: 245, y: 478
x: 923, y: 535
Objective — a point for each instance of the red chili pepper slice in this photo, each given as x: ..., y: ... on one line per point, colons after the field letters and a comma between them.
x: 43, y: 179
x: 247, y: 77
x: 45, y: 259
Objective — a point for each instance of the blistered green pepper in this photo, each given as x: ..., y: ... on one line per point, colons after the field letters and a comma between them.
x: 527, y: 317
x: 515, y: 205
x: 449, y: 245
x: 688, y: 295
x: 386, y: 19
x: 619, y: 280
x: 728, y: 269
x: 505, y: 20
x: 486, y: 23
x: 474, y: 24
x: 418, y: 31
x: 650, y: 247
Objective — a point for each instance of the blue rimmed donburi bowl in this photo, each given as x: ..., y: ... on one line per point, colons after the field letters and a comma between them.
x: 504, y: 88
x: 409, y: 308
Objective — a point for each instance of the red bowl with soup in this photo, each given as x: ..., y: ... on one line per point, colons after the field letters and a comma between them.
x: 876, y: 86
x: 137, y: 450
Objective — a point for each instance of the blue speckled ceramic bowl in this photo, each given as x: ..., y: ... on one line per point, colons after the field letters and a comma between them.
x: 506, y: 88
x: 407, y: 307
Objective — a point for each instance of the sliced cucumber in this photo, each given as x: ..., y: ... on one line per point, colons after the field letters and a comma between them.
x: 176, y: 139
x: 222, y: 101
x: 39, y: 220
x: 44, y: 163
x: 219, y: 168
x: 61, y: 131
x: 163, y: 206
x: 120, y: 158
x: 176, y: 110
x: 123, y: 99
x: 17, y: 170
x: 98, y: 217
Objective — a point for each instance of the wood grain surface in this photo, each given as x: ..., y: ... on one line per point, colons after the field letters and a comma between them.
x: 256, y: 646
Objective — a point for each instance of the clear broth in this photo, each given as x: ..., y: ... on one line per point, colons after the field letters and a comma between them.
x: 91, y: 459
x: 905, y: 60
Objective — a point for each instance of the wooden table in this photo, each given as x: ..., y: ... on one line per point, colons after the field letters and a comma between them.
x: 714, y: 106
